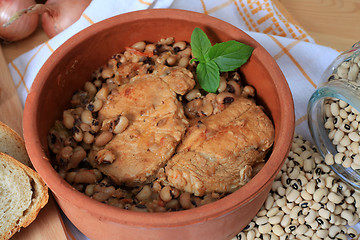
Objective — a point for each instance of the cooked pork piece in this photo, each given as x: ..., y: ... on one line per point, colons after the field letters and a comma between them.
x: 218, y: 152
x: 156, y: 125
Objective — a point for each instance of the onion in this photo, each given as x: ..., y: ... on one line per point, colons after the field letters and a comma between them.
x: 57, y: 15
x: 23, y: 27
x: 60, y: 14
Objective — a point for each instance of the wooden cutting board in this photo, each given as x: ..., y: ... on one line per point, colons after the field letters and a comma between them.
x: 48, y: 224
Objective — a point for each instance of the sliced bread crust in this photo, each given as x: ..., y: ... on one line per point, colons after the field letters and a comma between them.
x: 12, y: 144
x: 22, y: 195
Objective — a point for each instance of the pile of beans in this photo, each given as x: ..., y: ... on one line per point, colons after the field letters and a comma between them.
x: 306, y: 201
x: 342, y: 120
x: 71, y: 139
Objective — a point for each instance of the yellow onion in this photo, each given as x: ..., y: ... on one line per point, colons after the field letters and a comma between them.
x: 60, y: 14
x: 23, y: 26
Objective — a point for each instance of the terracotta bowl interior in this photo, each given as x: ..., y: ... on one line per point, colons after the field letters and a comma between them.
x: 71, y: 65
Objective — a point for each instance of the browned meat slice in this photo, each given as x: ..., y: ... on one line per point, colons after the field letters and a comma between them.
x: 156, y: 125
x: 217, y: 153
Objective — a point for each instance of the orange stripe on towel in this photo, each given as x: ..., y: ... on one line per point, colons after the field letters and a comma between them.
x: 87, y: 18
x: 143, y: 2
x: 300, y: 120
x: 204, y: 7
x: 286, y: 51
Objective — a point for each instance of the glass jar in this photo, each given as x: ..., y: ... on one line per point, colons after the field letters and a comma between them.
x: 334, y: 116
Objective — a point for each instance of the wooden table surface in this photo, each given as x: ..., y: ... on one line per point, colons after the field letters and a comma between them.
x: 332, y: 23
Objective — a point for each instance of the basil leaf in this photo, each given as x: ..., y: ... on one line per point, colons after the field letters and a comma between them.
x: 229, y: 55
x: 200, y: 44
x: 208, y: 76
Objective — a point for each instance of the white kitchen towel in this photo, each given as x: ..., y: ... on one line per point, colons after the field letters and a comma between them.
x: 299, y: 57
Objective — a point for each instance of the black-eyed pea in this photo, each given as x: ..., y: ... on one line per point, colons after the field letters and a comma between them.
x: 104, y: 156
x: 265, y: 237
x: 341, y: 236
x: 171, y: 60
x: 290, y: 229
x: 322, y: 233
x: 193, y: 94
x: 241, y: 235
x: 95, y: 125
x: 275, y: 219
x: 310, y: 217
x: 185, y: 200
x: 90, y: 88
x: 272, y: 212
x: 77, y: 156
x: 248, y: 91
x: 173, y: 204
x: 305, y: 195
x: 309, y: 233
x: 100, y: 196
x: 140, y: 46
x: 103, y: 93
x: 86, y: 117
x: 183, y: 62
x: 165, y: 194
x: 347, y: 215
x: 144, y: 194
x: 319, y: 194
x: 265, y: 228
x: 149, y: 48
x: 156, y: 186
x: 85, y: 176
x: 107, y: 73
x: 335, y: 198
x: 68, y: 119
x: 70, y: 176
x: 352, y: 233
x: 303, y: 237
x: 179, y: 45
x: 88, y: 138
x: 313, y: 225
x: 338, y: 210
x: 121, y: 125
x: 89, y: 190
x: 261, y: 220
x: 96, y: 105
x: 222, y: 84
x: 206, y: 109
x: 276, y: 184
x: 234, y: 87
x: 301, y: 229
x: 292, y: 195
x: 175, y: 192
x: 262, y: 212
x: 66, y: 152
x: 269, y: 202
x: 97, y: 83
x: 103, y: 138
x: 250, y: 235
x: 84, y: 127
x: 280, y: 191
x: 225, y: 98
x: 186, y: 52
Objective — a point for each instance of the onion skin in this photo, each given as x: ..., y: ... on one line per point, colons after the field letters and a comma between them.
x: 61, y: 14
x: 21, y: 28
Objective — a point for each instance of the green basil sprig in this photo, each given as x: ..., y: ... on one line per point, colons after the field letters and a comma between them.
x: 222, y: 57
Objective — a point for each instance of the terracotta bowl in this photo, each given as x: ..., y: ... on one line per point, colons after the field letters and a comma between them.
x: 71, y: 65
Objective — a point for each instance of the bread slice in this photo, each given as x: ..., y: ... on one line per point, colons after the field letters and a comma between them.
x: 22, y: 194
x: 12, y: 144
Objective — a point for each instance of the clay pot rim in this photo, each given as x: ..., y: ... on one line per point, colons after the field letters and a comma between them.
x: 216, y: 209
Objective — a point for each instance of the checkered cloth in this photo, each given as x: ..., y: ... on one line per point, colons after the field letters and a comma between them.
x: 299, y: 57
